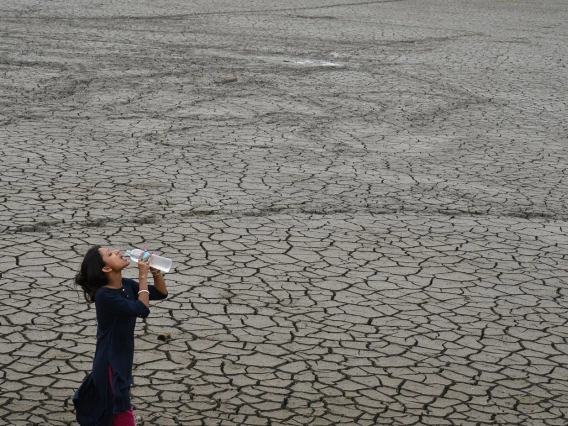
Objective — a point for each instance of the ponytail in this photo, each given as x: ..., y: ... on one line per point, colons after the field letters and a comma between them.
x: 91, y: 276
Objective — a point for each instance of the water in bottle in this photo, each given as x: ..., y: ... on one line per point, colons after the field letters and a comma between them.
x: 162, y: 263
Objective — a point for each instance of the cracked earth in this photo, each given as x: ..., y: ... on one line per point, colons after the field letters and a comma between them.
x: 365, y: 203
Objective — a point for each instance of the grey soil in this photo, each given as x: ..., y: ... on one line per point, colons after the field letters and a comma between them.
x: 365, y: 203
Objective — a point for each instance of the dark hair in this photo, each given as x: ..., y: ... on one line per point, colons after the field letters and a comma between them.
x: 91, y: 276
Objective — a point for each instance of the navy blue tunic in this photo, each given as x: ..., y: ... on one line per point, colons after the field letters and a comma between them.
x: 117, y: 309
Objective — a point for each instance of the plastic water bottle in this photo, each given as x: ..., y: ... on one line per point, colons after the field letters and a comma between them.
x: 162, y: 263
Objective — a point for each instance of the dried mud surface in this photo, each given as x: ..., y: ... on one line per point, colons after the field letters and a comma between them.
x: 365, y: 203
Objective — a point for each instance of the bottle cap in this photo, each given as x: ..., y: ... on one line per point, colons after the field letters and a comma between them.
x: 127, y: 253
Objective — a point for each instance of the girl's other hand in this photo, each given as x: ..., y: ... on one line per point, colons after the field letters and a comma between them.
x: 144, y: 265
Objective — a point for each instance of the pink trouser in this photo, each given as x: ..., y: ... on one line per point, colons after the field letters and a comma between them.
x: 126, y: 418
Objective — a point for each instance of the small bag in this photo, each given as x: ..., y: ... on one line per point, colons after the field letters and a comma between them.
x: 93, y: 407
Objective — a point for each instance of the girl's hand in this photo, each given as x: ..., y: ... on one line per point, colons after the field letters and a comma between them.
x: 143, y: 265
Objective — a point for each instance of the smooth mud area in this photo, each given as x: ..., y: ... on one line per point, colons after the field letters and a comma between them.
x: 364, y: 202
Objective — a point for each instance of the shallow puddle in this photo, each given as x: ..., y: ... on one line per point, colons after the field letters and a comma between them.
x: 302, y: 62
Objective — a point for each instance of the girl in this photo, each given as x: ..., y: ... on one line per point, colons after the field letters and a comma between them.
x: 104, y: 396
